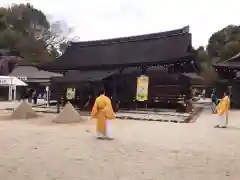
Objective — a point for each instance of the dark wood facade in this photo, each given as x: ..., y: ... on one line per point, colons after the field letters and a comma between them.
x: 229, y: 79
x: 115, y: 65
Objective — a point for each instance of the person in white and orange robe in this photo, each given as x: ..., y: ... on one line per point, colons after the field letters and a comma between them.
x: 103, y: 113
x: 222, y: 111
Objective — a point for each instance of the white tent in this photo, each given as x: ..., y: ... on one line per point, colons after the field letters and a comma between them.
x: 12, y: 83
x: 9, y: 80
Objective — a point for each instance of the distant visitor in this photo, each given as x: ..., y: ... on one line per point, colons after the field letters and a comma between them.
x: 214, y: 101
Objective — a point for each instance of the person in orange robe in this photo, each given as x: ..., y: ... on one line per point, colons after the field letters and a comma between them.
x: 222, y: 110
x: 102, y: 112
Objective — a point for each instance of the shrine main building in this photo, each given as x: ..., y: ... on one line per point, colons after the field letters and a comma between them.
x: 166, y: 58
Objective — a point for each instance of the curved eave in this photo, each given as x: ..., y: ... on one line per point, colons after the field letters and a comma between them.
x: 196, y: 64
x: 166, y: 34
x: 54, y: 66
x: 226, y: 66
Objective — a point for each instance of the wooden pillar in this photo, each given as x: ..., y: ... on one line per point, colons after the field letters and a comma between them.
x: 114, y: 96
x: 48, y: 95
x: 146, y: 105
x: 65, y: 100
x: 58, y: 103
x: 95, y: 91
x: 74, y: 99
x: 58, y: 99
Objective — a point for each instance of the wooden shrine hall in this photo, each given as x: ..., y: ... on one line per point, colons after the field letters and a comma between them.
x: 116, y: 64
x: 229, y: 78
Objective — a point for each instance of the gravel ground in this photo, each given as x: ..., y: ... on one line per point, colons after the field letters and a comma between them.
x: 142, y: 150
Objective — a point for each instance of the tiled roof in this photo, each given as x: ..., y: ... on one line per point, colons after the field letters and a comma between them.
x: 32, y: 73
x: 75, y: 76
x: 233, y: 62
x: 164, y: 47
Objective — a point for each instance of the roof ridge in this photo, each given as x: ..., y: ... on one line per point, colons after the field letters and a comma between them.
x: 165, y: 34
x: 237, y: 55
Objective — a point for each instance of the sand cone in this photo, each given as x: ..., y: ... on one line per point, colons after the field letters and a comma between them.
x: 68, y: 115
x: 23, y: 111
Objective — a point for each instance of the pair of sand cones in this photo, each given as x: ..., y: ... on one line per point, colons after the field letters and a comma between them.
x: 67, y: 115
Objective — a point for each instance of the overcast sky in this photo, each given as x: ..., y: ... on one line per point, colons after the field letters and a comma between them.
x: 100, y: 19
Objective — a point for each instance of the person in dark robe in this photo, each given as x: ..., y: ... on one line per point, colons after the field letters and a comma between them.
x: 29, y: 95
x: 214, y: 100
x: 34, y: 97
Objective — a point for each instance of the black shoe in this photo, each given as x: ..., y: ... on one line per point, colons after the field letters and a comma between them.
x: 101, y: 138
x: 217, y: 126
x: 223, y: 127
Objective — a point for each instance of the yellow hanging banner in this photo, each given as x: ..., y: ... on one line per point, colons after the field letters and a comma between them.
x: 70, y: 93
x: 142, y: 88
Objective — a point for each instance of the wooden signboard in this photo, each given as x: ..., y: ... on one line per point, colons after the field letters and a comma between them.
x: 70, y: 93
x: 142, y: 88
